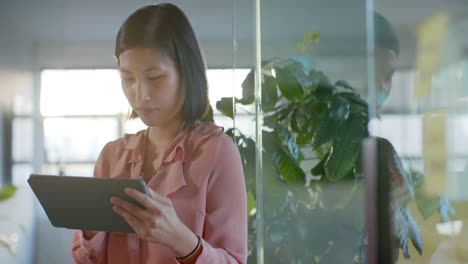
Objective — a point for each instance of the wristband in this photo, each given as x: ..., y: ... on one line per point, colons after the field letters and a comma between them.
x: 193, y: 251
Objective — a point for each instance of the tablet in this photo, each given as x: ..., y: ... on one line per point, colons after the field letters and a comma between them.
x: 83, y: 202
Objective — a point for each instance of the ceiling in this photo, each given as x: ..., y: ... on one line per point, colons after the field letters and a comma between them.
x: 341, y: 23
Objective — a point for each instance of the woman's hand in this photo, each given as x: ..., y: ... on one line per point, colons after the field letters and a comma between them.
x: 157, y: 222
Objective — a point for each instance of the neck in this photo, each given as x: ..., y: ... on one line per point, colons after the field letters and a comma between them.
x: 160, y: 137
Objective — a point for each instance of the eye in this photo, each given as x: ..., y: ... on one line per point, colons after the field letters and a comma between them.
x: 128, y: 78
x: 154, y: 78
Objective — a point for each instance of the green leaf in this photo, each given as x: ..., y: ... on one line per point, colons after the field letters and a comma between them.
x: 344, y: 85
x: 358, y: 170
x: 306, y: 122
x: 248, y: 89
x: 246, y: 148
x: 251, y: 202
x: 301, y: 46
x: 7, y: 192
x: 305, y: 136
x: 339, y: 109
x: 290, y: 142
x: 230, y: 132
x: 321, y: 151
x: 317, y: 77
x: 301, y: 119
x: 355, y: 99
x: 312, y: 36
x: 286, y: 165
x: 324, y: 88
x: 319, y: 169
x: 269, y: 93
x: 302, y: 77
x: 289, y: 83
x: 283, y: 114
x: 325, y: 132
x: 225, y: 106
x: 293, y: 122
x: 345, y: 149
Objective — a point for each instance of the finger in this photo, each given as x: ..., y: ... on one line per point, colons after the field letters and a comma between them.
x: 133, y: 209
x: 158, y: 197
x: 147, y: 201
x: 132, y: 221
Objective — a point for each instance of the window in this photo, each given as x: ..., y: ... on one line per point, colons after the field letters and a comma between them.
x: 83, y: 109
x: 81, y: 92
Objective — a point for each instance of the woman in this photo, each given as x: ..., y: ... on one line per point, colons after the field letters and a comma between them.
x: 196, y: 210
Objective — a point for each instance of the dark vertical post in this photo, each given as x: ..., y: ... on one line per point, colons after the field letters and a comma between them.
x: 6, y: 138
x: 378, y: 221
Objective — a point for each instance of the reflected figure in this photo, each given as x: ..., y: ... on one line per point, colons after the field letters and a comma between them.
x: 387, y: 49
x: 405, y: 185
x: 404, y: 226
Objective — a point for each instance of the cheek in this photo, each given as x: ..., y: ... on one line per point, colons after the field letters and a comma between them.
x: 173, y: 94
x: 179, y: 98
x: 128, y: 92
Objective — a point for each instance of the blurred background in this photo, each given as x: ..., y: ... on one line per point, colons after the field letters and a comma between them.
x: 61, y: 102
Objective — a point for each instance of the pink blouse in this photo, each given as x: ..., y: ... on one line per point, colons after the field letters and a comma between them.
x: 202, y: 174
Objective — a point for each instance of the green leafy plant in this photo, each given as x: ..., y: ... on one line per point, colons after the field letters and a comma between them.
x: 7, y: 192
x: 8, y: 242
x: 310, y: 120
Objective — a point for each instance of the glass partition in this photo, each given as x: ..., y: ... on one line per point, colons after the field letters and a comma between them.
x: 308, y: 92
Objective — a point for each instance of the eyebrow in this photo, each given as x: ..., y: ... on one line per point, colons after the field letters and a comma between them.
x: 153, y: 68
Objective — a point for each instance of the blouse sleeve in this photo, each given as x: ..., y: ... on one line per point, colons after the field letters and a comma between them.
x: 92, y: 250
x: 225, y: 235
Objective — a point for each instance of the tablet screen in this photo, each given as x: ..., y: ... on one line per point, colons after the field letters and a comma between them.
x: 84, y: 202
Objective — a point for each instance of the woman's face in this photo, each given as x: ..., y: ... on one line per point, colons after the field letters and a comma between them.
x: 152, y: 85
x: 384, y: 69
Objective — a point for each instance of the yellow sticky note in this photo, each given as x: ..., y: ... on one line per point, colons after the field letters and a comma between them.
x: 435, y: 152
x: 431, y: 36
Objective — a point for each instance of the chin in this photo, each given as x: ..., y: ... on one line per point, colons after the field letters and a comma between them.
x: 158, y: 120
x: 151, y: 123
x: 154, y: 122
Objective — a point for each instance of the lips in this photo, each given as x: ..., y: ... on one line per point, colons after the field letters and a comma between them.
x: 146, y: 111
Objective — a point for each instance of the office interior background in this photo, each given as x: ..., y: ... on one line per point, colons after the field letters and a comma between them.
x: 61, y: 102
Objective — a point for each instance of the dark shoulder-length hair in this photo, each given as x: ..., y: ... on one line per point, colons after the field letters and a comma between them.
x: 384, y: 34
x: 164, y: 27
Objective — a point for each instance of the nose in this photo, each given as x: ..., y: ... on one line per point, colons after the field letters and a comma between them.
x: 143, y: 91
x: 386, y: 85
x: 383, y: 85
